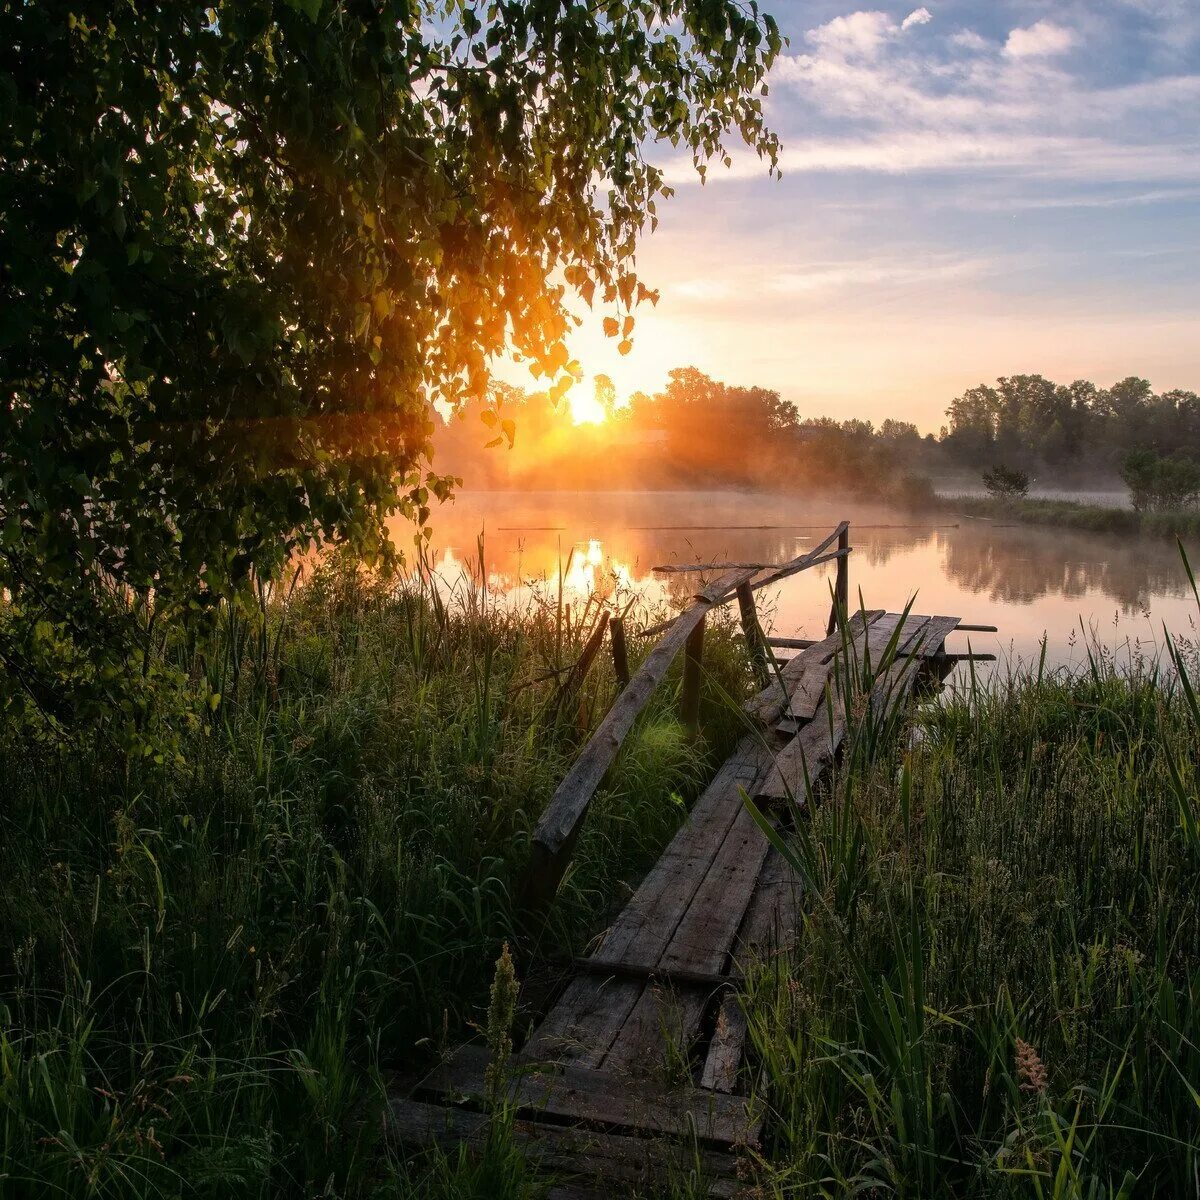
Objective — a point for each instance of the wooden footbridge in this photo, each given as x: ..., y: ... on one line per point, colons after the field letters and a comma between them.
x: 638, y: 1071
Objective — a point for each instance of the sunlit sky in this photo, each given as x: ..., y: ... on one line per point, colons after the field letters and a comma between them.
x: 969, y: 189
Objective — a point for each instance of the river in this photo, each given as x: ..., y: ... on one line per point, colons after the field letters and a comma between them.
x: 1032, y: 582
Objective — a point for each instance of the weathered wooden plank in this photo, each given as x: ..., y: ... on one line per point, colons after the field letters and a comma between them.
x: 881, y: 632
x: 704, y: 935
x: 772, y: 917
x: 725, y: 1051
x: 768, y: 705
x: 655, y: 975
x: 808, y: 695
x: 583, y: 664
x: 605, y: 1097
x: 585, y: 1020
x: 812, y: 558
x: 608, y: 1158
x: 555, y: 833
x: 932, y: 638
x: 814, y: 747
x: 640, y: 933
x: 805, y: 757
x: 689, y: 688
x: 658, y: 1032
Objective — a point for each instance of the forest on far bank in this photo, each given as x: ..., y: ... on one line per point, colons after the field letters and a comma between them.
x: 700, y: 431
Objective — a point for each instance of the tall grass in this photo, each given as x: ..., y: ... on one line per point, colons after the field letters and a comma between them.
x: 209, y: 971
x: 996, y: 990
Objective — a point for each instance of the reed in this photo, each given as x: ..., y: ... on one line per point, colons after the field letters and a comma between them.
x: 209, y: 969
x: 996, y: 990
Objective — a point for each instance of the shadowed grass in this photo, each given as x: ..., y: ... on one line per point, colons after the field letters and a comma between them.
x: 208, y: 972
x: 996, y: 990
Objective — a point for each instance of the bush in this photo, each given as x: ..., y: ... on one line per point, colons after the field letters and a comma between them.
x: 1160, y: 484
x: 1006, y: 483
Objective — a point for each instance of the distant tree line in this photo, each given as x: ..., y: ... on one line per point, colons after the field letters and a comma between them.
x: 1030, y: 422
x: 698, y: 431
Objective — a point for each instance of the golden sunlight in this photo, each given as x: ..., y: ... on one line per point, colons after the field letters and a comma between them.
x: 586, y: 409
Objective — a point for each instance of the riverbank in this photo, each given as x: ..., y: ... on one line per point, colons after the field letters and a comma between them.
x: 211, y: 971
x: 1070, y: 514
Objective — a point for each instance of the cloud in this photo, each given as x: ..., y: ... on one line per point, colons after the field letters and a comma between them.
x: 968, y: 39
x: 856, y: 35
x: 862, y: 34
x: 1039, y: 40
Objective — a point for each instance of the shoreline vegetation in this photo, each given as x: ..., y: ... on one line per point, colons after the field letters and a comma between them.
x: 1073, y: 514
x: 221, y: 963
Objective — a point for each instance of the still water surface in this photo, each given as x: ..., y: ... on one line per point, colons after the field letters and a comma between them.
x: 1029, y: 581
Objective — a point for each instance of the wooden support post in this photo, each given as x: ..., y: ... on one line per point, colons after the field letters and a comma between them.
x: 616, y: 631
x: 841, y: 592
x: 755, y: 642
x: 689, y: 696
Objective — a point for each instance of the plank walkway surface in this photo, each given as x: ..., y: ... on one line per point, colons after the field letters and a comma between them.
x: 639, y: 1067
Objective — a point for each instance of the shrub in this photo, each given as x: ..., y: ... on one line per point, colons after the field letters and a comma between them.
x: 1006, y: 483
x: 1160, y: 484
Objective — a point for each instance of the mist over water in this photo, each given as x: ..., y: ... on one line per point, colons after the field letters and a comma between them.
x: 1029, y: 581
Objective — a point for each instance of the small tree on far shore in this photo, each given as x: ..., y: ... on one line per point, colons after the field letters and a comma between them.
x: 1006, y: 483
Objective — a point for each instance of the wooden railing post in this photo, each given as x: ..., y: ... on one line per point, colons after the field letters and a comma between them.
x: 756, y: 644
x: 841, y: 591
x: 689, y: 695
x: 616, y: 631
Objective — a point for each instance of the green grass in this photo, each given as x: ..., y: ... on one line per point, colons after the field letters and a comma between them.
x: 1069, y: 514
x: 207, y: 971
x: 996, y: 989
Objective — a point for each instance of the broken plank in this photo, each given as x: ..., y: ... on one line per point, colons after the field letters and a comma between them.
x: 727, y: 1047
x: 800, y: 763
x: 603, y: 1097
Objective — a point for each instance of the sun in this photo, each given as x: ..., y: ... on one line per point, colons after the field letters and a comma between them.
x: 586, y: 409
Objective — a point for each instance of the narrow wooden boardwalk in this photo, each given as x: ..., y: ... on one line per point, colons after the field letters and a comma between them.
x: 639, y: 1068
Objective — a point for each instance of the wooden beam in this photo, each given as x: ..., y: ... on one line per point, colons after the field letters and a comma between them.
x: 556, y: 831
x: 605, y: 1097
x: 813, y: 558
x: 583, y: 664
x: 841, y: 593
x: 614, y: 1158
x: 756, y: 645
x: 977, y: 629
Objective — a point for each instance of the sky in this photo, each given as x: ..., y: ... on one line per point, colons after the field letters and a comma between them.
x: 970, y: 188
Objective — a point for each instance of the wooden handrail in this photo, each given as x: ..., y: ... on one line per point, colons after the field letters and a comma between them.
x: 554, y: 836
x: 813, y: 558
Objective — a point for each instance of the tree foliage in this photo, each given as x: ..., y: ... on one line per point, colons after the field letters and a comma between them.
x: 246, y: 245
x: 1006, y: 483
x: 1031, y: 421
x: 1158, y: 483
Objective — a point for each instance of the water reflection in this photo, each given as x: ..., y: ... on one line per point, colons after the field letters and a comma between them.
x: 1027, y: 580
